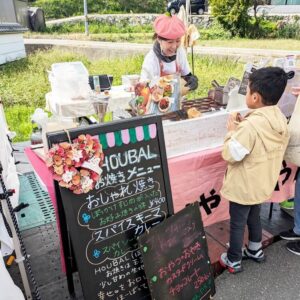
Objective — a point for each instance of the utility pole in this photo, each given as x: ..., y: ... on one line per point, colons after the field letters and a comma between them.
x: 86, y: 22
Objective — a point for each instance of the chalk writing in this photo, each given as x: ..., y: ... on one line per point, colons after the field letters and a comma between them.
x: 195, y: 278
x: 139, y: 224
x: 203, y: 290
x: 182, y: 268
x: 118, y: 273
x: 129, y: 157
x: 122, y: 191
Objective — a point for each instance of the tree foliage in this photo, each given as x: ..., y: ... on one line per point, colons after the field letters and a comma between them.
x: 233, y: 16
x: 55, y: 9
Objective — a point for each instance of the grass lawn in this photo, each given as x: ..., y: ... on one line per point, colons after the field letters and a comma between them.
x: 279, y: 44
x: 24, y: 83
x: 140, y: 38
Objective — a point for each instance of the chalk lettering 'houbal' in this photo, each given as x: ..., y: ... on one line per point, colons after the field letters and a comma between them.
x: 130, y: 157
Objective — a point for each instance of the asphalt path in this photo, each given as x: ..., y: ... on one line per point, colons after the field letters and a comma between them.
x: 144, y: 48
x: 278, y: 278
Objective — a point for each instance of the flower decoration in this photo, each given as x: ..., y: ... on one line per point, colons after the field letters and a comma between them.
x: 77, y: 165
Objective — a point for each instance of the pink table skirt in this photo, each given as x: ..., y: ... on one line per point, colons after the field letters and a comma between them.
x: 199, y: 176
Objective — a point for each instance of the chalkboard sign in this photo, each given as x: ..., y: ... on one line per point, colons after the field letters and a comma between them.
x: 132, y: 196
x: 176, y: 259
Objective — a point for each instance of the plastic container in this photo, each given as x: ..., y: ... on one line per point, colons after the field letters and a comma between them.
x: 129, y: 81
x: 69, y: 81
x: 36, y: 136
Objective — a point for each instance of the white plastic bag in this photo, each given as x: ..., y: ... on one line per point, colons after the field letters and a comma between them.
x: 69, y: 81
x: 287, y: 101
x: 292, y: 153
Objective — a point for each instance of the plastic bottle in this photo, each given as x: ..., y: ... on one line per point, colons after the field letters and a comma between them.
x: 36, y: 135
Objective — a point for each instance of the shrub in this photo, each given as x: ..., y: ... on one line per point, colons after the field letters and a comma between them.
x: 232, y: 15
x: 262, y: 29
x: 55, y: 9
x: 289, y: 31
x: 98, y: 27
x: 213, y: 32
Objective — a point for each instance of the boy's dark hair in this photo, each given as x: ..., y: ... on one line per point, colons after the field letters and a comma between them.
x: 269, y: 82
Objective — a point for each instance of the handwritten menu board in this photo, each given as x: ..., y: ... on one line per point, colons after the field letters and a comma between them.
x: 132, y: 196
x: 176, y: 260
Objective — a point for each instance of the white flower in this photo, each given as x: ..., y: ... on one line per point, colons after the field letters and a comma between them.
x: 77, y: 155
x: 55, y: 147
x: 86, y: 182
x: 93, y: 164
x: 67, y: 176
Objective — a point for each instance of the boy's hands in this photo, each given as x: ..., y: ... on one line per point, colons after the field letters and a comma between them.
x: 233, y: 121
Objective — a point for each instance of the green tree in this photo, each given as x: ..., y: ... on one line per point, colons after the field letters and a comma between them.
x: 233, y: 16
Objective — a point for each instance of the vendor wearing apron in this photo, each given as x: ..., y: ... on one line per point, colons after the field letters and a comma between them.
x: 167, y: 56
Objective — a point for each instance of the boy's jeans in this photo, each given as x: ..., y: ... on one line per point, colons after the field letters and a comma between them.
x: 297, y: 205
x: 240, y: 215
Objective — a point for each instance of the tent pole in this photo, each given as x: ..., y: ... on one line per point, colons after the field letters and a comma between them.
x: 193, y: 65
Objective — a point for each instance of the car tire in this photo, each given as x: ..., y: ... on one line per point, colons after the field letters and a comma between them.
x: 200, y: 11
x: 173, y: 11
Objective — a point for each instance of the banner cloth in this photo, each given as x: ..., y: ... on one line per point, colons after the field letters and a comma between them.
x: 199, y: 176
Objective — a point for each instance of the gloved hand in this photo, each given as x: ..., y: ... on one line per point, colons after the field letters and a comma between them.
x: 191, y: 81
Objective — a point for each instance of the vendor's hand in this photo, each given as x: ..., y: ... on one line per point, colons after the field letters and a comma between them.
x: 232, y: 123
x: 191, y: 82
x: 296, y: 90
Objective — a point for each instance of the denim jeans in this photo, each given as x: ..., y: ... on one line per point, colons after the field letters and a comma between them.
x: 240, y: 215
x: 297, y: 205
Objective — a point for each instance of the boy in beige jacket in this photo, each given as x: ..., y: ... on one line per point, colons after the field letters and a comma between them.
x: 254, y: 149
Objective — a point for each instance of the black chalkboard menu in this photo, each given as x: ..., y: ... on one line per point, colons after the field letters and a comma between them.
x: 176, y: 258
x: 132, y: 196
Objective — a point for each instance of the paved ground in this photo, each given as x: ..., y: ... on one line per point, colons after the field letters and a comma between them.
x: 96, y: 50
x: 276, y: 279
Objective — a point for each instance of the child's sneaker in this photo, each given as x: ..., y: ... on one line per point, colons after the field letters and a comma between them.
x: 256, y: 255
x: 294, y: 247
x: 233, y: 267
x: 287, y: 204
x: 289, y: 235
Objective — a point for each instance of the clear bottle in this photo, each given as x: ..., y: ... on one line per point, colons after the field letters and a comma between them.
x: 36, y: 135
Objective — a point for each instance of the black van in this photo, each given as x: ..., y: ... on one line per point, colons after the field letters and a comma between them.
x: 197, y: 6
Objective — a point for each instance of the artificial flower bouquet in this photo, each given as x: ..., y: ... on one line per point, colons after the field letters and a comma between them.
x: 77, y: 165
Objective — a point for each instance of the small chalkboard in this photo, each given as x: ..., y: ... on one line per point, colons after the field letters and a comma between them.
x: 132, y: 196
x: 176, y: 260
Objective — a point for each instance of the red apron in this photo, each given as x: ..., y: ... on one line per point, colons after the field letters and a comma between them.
x: 163, y: 73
